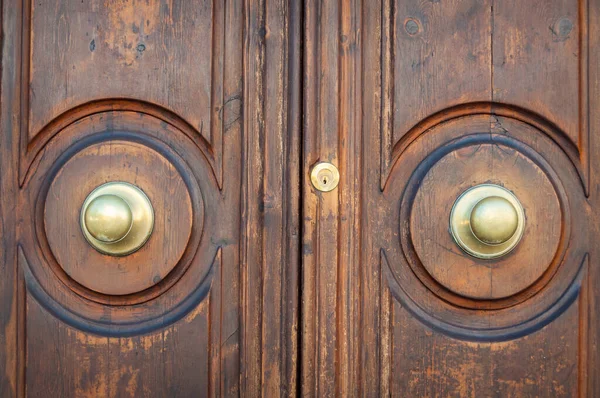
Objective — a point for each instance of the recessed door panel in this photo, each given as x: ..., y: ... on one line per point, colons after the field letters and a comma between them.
x: 320, y: 198
x: 149, y: 199
x: 441, y: 115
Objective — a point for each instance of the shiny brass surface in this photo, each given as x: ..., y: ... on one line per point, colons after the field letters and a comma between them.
x: 325, y: 176
x: 494, y: 220
x: 108, y: 218
x: 117, y: 218
x: 487, y: 221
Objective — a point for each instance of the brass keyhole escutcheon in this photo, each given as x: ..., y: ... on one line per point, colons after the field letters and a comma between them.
x: 487, y: 221
x: 325, y: 176
x: 117, y: 218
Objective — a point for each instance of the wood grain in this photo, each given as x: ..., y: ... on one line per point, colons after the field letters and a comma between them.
x: 479, y: 164
x: 542, y: 364
x: 11, y: 287
x: 256, y: 284
x: 158, y: 93
x: 422, y: 64
x: 441, y: 54
x: 536, y: 45
x: 166, y: 190
x: 271, y: 200
x: 161, y: 51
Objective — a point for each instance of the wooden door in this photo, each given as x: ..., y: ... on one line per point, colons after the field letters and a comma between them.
x: 196, y: 103
x: 253, y: 282
x: 416, y: 102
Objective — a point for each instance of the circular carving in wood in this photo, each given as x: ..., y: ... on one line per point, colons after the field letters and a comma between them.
x: 158, y: 284
x: 468, y: 166
x: 453, y: 291
x: 137, y: 164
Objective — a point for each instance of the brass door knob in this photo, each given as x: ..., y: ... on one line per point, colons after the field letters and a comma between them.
x: 117, y: 218
x: 487, y: 221
x: 494, y: 220
x: 108, y: 218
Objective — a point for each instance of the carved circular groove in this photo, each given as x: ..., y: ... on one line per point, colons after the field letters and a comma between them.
x: 439, y: 283
x: 170, y: 275
x: 149, y: 183
x: 458, y: 260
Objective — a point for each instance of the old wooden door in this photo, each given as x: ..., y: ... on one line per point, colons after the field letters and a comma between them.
x: 225, y: 269
x: 416, y: 102
x: 196, y: 105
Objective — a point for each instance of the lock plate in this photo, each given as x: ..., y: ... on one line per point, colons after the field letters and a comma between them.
x: 325, y: 176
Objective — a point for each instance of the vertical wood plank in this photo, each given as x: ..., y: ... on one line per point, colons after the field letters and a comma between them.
x: 11, y: 359
x: 592, y: 343
x: 309, y: 315
x: 441, y: 57
x: 371, y: 311
x: 271, y: 195
x: 331, y: 223
x: 349, y: 142
x: 536, y: 56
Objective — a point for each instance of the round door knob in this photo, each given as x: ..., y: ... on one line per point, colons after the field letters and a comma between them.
x: 487, y: 221
x: 494, y: 220
x: 117, y: 218
x: 108, y: 218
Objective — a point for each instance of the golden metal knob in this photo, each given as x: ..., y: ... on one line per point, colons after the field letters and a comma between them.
x: 117, y: 218
x: 487, y: 221
x: 494, y: 220
x: 108, y: 218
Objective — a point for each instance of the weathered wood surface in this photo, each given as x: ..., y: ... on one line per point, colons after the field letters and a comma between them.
x: 197, y: 103
x: 416, y: 101
x: 257, y: 284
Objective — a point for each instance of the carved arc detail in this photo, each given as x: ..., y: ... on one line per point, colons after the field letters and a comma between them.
x: 520, y: 292
x: 96, y: 149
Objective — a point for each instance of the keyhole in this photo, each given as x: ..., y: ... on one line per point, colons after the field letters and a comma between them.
x: 324, y: 176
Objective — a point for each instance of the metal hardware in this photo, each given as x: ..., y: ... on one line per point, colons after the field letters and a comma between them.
x: 117, y: 218
x: 325, y: 176
x: 108, y: 218
x: 487, y: 221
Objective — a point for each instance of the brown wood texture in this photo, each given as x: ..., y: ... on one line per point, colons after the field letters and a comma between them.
x: 198, y: 104
x: 415, y: 102
x: 256, y: 284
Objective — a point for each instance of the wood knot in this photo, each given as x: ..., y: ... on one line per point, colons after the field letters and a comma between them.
x: 412, y: 26
x: 561, y: 29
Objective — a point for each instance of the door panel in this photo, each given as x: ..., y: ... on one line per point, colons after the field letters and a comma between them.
x: 202, y: 104
x: 426, y: 100
x: 170, y: 97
